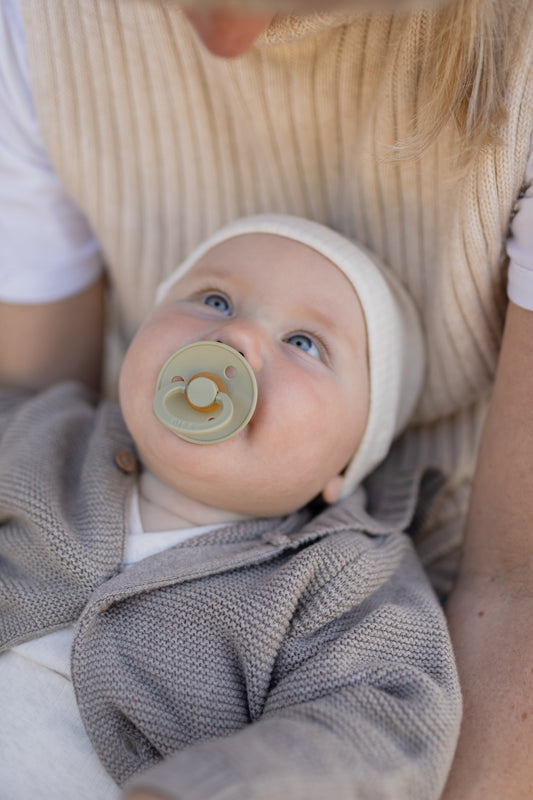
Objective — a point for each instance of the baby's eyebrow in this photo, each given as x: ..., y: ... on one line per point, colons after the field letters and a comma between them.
x: 223, y: 274
x: 326, y: 321
x: 220, y: 272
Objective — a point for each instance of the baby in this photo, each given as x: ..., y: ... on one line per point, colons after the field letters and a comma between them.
x: 232, y: 639
x: 265, y: 287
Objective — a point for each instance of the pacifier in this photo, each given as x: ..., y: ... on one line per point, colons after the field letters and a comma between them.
x: 206, y: 392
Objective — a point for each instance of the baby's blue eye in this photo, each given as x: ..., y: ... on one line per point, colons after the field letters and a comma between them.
x: 218, y: 302
x: 305, y: 343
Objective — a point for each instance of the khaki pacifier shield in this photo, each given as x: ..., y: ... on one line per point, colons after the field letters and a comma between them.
x: 206, y: 392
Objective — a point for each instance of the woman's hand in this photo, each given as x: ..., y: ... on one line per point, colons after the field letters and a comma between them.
x: 490, y: 611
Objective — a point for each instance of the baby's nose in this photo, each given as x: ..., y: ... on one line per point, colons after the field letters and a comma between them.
x: 245, y: 338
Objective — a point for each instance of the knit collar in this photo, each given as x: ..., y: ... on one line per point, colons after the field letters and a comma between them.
x: 286, y: 28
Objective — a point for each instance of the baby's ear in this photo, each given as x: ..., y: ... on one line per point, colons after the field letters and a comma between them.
x: 332, y: 490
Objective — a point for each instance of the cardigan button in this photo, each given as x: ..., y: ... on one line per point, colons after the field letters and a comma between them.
x: 125, y: 461
x: 130, y: 745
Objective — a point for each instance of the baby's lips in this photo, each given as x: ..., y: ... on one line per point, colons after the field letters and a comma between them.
x: 206, y: 392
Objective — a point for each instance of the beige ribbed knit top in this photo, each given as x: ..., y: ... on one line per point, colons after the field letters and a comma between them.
x: 160, y: 143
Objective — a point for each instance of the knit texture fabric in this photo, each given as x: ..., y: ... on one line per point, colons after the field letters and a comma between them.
x: 304, y: 658
x: 161, y: 144
x: 69, y: 537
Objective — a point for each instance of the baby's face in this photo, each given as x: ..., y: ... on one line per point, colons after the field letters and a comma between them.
x: 298, y: 322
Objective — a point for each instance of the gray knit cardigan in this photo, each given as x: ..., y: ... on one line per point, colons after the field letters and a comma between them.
x: 299, y: 658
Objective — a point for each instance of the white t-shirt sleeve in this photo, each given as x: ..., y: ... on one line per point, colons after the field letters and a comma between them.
x: 520, y: 246
x: 47, y: 249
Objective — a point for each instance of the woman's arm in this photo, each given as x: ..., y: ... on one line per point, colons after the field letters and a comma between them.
x: 491, y: 608
x: 52, y: 310
x: 46, y: 342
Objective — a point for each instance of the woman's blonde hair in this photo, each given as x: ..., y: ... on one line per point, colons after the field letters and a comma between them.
x: 464, y: 71
x: 466, y: 74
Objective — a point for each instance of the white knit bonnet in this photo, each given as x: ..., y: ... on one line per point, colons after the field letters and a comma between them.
x: 396, y: 355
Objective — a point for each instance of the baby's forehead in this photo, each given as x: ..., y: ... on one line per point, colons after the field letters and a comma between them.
x: 243, y: 253
x: 274, y: 263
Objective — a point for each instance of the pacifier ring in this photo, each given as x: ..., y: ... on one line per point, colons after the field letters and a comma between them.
x: 206, y: 393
